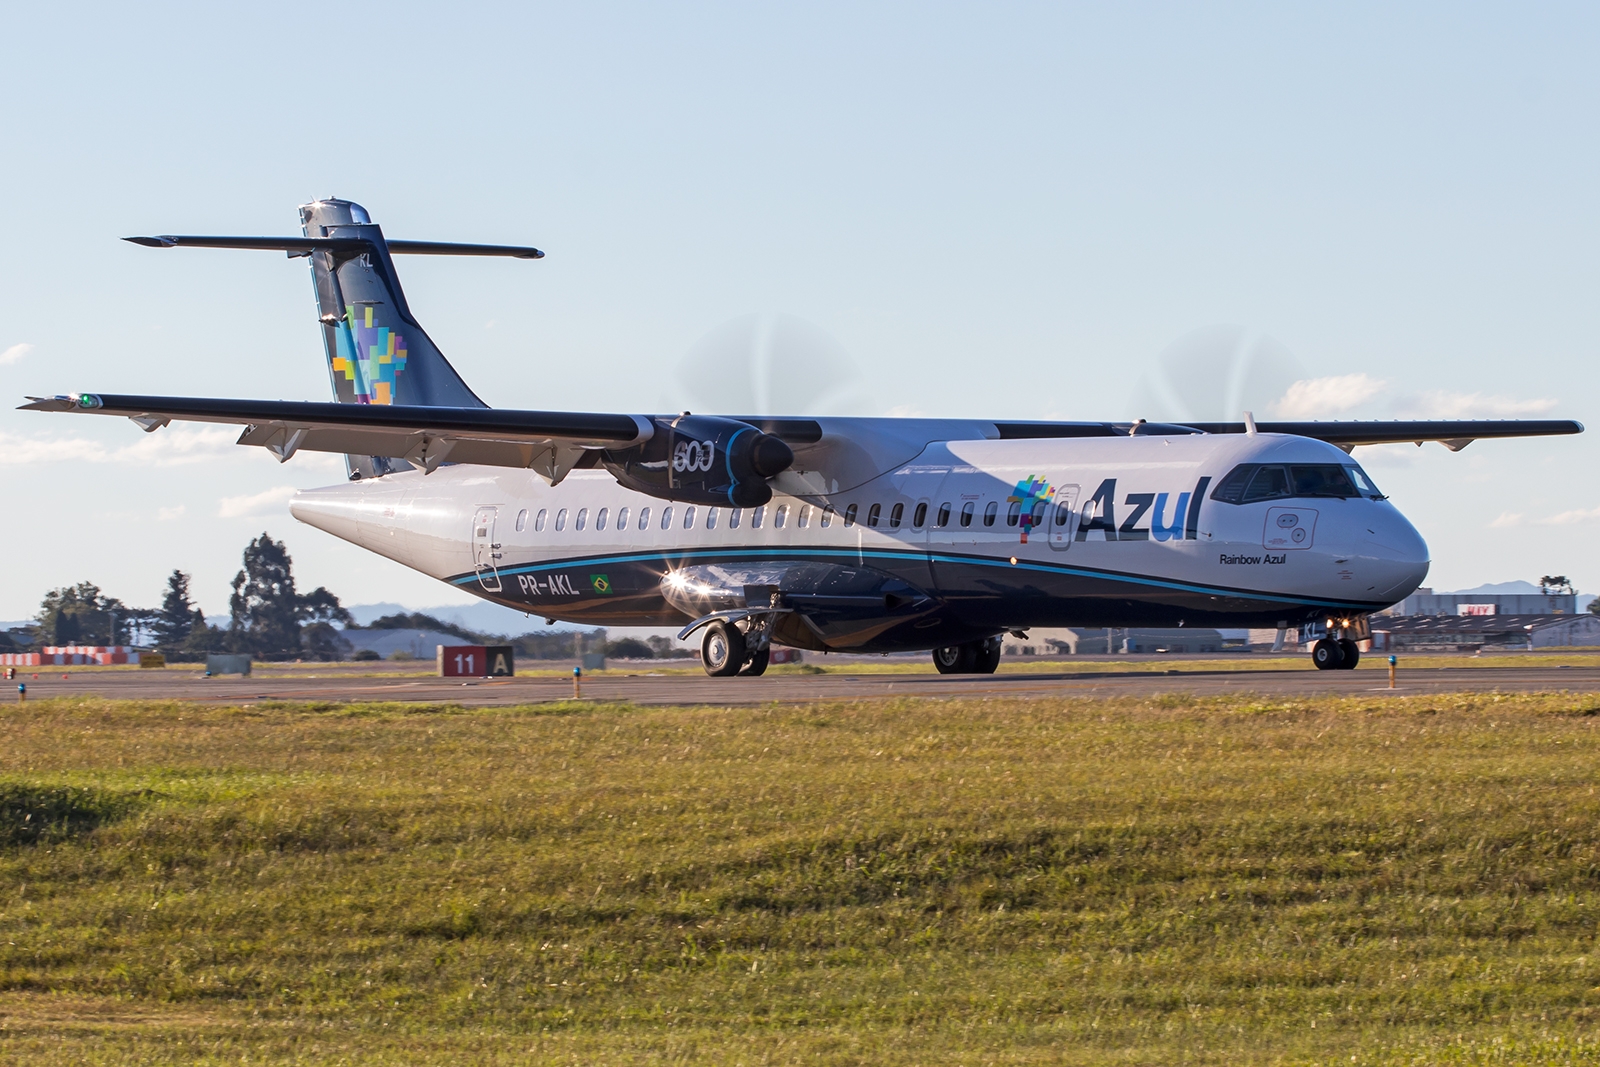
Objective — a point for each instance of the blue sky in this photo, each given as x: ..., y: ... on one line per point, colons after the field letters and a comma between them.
x: 998, y: 210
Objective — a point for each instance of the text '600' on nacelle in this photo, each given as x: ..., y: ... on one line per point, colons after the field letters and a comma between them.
x: 700, y: 459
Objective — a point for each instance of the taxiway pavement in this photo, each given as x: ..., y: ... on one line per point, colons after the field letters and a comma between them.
x: 690, y: 689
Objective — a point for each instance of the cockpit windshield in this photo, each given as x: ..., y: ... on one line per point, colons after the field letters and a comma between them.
x: 1252, y: 482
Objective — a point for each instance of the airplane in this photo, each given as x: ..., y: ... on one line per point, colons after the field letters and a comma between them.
x: 827, y: 534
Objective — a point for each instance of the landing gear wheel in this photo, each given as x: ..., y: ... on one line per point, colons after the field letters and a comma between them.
x: 1327, y: 655
x: 1352, y: 654
x: 758, y: 664
x: 987, y: 656
x: 956, y: 659
x: 722, y: 651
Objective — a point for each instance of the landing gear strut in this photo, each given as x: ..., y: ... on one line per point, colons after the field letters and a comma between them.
x: 973, y: 657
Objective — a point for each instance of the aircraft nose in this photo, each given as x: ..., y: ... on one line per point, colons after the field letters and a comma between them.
x: 1399, y: 550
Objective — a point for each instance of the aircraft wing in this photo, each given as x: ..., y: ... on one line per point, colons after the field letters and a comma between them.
x: 1454, y: 434
x: 551, y: 443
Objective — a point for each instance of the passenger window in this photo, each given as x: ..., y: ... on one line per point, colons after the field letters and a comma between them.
x: 780, y: 516
x: 538, y: 520
x: 688, y: 517
x: 561, y: 519
x: 1269, y: 483
x: 583, y: 517
x: 850, y: 515
x: 644, y: 518
x: 872, y: 514
x: 1040, y: 507
x: 622, y: 518
x: 989, y: 512
x: 894, y: 516
x: 522, y: 520
x: 966, y: 514
x: 756, y: 516
x: 827, y: 516
x: 734, y: 515
x: 920, y: 516
x: 711, y: 518
x: 943, y: 518
x: 1014, y: 513
x: 1063, y: 514
x: 803, y: 519
x: 666, y: 517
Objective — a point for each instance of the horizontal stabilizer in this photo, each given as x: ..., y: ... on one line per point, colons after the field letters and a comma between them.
x: 306, y: 245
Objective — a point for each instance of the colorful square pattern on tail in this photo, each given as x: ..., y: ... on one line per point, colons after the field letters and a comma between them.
x: 371, y: 356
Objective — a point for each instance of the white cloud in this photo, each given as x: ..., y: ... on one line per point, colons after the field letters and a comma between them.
x: 1445, y: 404
x: 14, y: 353
x: 1313, y: 398
x: 1321, y: 398
x: 1567, y: 518
x: 170, y: 446
x: 169, y: 514
x: 1506, y: 519
x: 265, y: 502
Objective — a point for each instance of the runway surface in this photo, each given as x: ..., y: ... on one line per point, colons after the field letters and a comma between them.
x: 346, y: 684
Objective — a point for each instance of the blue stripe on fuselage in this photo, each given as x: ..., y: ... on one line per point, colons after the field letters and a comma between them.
x: 717, y: 555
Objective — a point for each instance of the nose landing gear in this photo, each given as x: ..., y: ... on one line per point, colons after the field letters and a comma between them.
x: 1336, y: 654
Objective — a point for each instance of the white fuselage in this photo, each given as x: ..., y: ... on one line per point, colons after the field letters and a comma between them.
x: 982, y: 535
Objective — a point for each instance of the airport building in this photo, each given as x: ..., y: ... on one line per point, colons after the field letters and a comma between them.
x: 1470, y: 633
x: 1426, y: 602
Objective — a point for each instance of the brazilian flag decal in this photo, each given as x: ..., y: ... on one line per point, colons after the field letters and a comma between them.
x: 601, y: 583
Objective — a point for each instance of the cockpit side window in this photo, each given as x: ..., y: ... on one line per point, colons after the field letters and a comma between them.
x: 1364, y: 483
x: 1269, y: 483
x: 1251, y: 483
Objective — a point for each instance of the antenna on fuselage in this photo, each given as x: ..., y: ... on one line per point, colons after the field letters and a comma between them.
x: 1249, y: 424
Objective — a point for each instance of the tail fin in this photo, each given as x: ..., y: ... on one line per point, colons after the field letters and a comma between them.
x: 377, y: 353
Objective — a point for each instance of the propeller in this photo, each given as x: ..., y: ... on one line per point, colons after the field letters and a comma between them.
x: 1216, y: 374
x: 769, y: 364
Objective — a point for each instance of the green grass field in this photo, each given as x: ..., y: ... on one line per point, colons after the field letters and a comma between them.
x: 1406, y: 881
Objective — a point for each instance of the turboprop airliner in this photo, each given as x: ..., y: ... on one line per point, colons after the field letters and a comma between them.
x: 828, y: 534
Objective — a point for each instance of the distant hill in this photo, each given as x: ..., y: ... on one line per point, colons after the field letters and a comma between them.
x: 1505, y: 588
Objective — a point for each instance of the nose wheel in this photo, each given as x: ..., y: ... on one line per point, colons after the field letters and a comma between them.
x: 1330, y: 654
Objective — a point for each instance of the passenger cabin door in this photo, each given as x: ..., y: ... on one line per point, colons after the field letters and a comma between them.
x: 1062, y: 517
x: 486, y: 550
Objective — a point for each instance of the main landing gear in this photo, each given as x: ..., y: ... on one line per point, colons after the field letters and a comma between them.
x: 1335, y: 654
x: 974, y: 657
x: 725, y: 651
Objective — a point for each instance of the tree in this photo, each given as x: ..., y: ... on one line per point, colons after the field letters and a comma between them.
x: 629, y: 648
x: 176, y: 619
x: 266, y: 611
x: 264, y: 607
x: 1555, y: 583
x: 81, y: 615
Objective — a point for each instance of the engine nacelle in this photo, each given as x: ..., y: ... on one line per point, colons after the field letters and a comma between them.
x: 702, y: 459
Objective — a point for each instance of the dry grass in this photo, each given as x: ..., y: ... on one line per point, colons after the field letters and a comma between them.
x: 1403, y: 881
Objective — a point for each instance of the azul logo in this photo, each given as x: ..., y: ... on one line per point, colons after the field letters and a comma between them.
x: 1029, y: 493
x: 694, y: 456
x: 1166, y: 516
x: 371, y: 356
